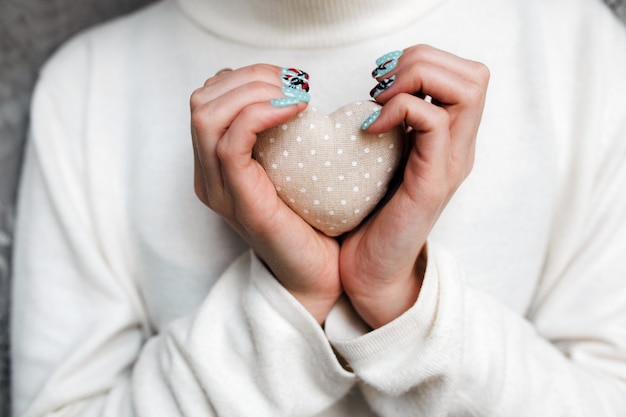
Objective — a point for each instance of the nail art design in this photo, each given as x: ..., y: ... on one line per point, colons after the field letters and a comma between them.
x: 295, y: 78
x: 284, y: 102
x: 370, y: 119
x: 295, y: 89
x: 382, y: 86
x: 386, y: 63
x: 300, y: 95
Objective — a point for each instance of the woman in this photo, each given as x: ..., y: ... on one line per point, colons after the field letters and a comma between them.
x: 504, y: 297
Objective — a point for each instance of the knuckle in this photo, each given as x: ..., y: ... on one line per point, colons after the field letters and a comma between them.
x: 195, y: 99
x: 421, y: 49
x: 402, y: 101
x: 480, y: 81
x: 483, y: 74
x: 260, y: 86
x: 440, y: 116
x: 475, y: 93
x: 253, y: 72
x: 223, y: 151
x: 258, y: 90
x: 256, y: 72
x: 199, y: 120
x: 416, y: 69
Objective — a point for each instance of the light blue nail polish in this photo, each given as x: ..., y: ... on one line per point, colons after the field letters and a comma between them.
x: 370, y: 119
x: 389, y: 56
x: 284, y: 102
x: 301, y: 95
x: 386, y: 63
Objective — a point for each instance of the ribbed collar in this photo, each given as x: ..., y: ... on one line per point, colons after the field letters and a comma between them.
x: 304, y: 23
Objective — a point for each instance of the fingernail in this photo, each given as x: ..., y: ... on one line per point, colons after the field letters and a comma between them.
x: 382, y: 86
x: 295, y: 78
x: 295, y: 88
x: 297, y: 94
x: 284, y: 102
x: 370, y: 119
x: 386, y: 63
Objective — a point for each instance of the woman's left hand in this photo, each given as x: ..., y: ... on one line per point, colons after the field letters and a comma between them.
x: 382, y: 263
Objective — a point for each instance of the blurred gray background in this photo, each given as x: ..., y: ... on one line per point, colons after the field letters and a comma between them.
x: 30, y: 30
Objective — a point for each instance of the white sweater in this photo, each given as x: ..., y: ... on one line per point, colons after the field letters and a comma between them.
x: 131, y: 298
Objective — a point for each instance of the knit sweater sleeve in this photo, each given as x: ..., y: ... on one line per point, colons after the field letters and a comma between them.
x: 460, y: 352
x: 83, y: 344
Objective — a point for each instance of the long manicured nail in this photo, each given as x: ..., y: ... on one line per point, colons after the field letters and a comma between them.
x: 298, y: 94
x: 295, y: 78
x: 284, y: 102
x: 295, y: 88
x: 386, y: 63
x: 292, y: 96
x: 382, y: 86
x: 370, y: 119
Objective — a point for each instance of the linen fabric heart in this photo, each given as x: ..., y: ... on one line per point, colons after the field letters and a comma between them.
x: 326, y: 169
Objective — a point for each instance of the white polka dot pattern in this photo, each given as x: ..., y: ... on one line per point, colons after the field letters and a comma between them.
x: 326, y: 169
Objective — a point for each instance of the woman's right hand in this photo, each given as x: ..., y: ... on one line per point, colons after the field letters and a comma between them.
x: 226, y: 115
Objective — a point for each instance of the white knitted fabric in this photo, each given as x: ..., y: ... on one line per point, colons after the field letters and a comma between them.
x: 133, y: 299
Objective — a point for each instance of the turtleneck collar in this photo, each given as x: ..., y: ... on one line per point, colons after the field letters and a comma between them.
x: 304, y: 23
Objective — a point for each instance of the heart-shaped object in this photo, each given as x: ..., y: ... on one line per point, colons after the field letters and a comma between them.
x: 326, y: 169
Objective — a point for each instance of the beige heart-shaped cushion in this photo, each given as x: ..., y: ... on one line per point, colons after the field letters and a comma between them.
x: 326, y: 169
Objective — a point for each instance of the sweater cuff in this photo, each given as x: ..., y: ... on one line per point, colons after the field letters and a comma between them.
x: 414, y: 346
x: 295, y: 316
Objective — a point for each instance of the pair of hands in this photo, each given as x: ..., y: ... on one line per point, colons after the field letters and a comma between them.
x: 380, y: 266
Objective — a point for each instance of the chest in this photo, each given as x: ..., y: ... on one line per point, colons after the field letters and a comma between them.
x: 496, y: 226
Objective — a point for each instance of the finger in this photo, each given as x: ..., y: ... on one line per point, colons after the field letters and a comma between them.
x: 212, y: 113
x: 216, y: 115
x: 214, y: 108
x: 234, y: 150
x: 424, y: 117
x: 466, y: 68
x: 255, y: 202
x: 463, y: 99
x: 212, y: 124
x: 292, y: 79
x: 425, y: 188
x: 469, y: 69
x: 210, y: 120
x: 417, y: 114
x: 446, y: 86
x: 226, y: 81
x: 430, y: 124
